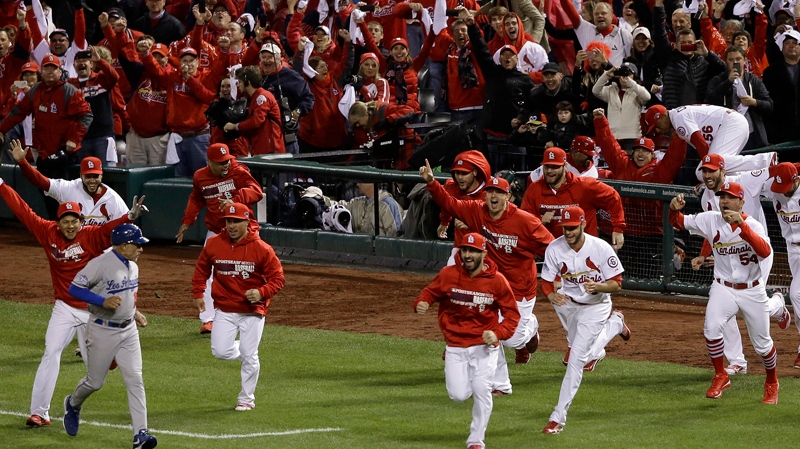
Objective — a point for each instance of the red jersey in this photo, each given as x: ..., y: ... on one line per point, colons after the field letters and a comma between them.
x: 588, y: 193
x: 476, y: 158
x: 469, y: 306
x: 66, y: 257
x: 513, y: 240
x: 112, y: 42
x: 247, y: 264
x: 60, y: 113
x: 263, y: 125
x: 445, y: 50
x: 325, y: 126
x: 11, y: 64
x: 238, y: 185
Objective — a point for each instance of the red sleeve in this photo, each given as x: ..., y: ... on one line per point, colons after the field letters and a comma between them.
x: 38, y: 226
x: 294, y: 30
x: 547, y: 287
x: 716, y: 42
x: 529, y: 203
x: 19, y: 111
x: 462, y: 210
x: 258, y: 117
x: 432, y: 293
x: 38, y: 180
x: 617, y: 159
x: 202, y: 271
x: 672, y: 162
x: 760, y: 246
x: 705, y: 250
x: 441, y: 43
x: 80, y: 29
x: 80, y: 111
x: 108, y: 76
x: 676, y: 219
x: 195, y: 204
x: 760, y: 39
x: 111, y: 37
x: 571, y: 12
x: 196, y: 38
x: 369, y: 42
x: 100, y: 236
x: 541, y: 235
x: 699, y: 143
x: 605, y: 197
x: 422, y: 57
x: 23, y: 39
x: 402, y: 11
x: 154, y: 70
x: 199, y: 90
x: 617, y: 279
x: 251, y: 55
x: 33, y: 25
x: 248, y: 191
x: 272, y: 272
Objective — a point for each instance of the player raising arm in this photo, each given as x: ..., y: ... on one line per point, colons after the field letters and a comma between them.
x: 740, y: 245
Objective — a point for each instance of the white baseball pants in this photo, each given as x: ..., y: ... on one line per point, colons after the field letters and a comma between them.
x: 526, y: 328
x: 724, y: 302
x: 224, y: 346
x: 468, y: 372
x: 208, y: 315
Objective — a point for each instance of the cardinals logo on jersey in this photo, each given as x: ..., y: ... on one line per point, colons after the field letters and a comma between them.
x: 104, y: 211
x: 715, y: 239
x: 591, y: 265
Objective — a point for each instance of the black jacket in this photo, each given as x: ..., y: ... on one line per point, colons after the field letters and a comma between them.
x: 167, y: 30
x: 649, y: 71
x: 783, y: 124
x: 721, y: 93
x: 505, y: 89
x: 540, y: 101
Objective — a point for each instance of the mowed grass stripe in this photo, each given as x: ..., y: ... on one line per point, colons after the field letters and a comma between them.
x: 381, y: 392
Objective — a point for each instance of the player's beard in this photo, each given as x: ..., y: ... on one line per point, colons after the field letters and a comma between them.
x: 473, y: 264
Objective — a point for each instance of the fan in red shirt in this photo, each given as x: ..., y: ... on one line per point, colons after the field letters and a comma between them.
x: 247, y: 274
x: 223, y: 182
x: 69, y: 246
x: 12, y: 59
x: 263, y: 124
x: 472, y: 295
x: 516, y: 238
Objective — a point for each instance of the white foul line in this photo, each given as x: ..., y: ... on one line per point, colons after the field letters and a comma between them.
x: 192, y: 435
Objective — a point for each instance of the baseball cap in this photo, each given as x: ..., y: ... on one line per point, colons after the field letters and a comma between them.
x: 367, y: 56
x: 69, y: 207
x: 398, y: 41
x: 713, y: 162
x: 50, y: 59
x: 116, y: 13
x: 324, y: 29
x: 30, y: 67
x: 271, y: 48
x: 219, y: 153
x: 312, y: 192
x: 731, y: 188
x: 509, y: 48
x: 790, y: 34
x: 188, y: 51
x: 160, y: 49
x: 499, y: 184
x: 572, y: 216
x: 784, y: 173
x: 461, y: 164
x: 554, y: 156
x: 651, y: 117
x: 60, y: 31
x: 644, y: 142
x: 237, y: 211
x: 91, y: 165
x: 473, y: 240
x: 641, y: 30
x: 551, y: 67
x: 583, y: 144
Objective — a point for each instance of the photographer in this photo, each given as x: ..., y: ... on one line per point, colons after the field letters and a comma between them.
x: 625, y: 98
x: 289, y: 89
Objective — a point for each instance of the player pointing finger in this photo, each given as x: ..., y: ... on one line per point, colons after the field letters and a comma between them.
x: 426, y: 172
x: 678, y: 202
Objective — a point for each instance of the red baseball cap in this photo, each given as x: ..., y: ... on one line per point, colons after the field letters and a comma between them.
x: 219, y: 153
x: 732, y: 188
x: 50, y: 59
x: 644, y: 142
x: 367, y: 56
x: 461, y: 164
x: 499, y: 184
x: 69, y: 207
x: 784, y: 175
x: 237, y: 211
x: 398, y: 41
x: 30, y: 67
x: 651, y: 117
x: 572, y: 216
x: 161, y: 49
x: 91, y: 165
x: 583, y: 144
x: 713, y: 162
x: 473, y: 240
x: 554, y: 156
x: 510, y: 48
x: 188, y: 51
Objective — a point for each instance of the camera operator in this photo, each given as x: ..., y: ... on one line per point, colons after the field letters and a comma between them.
x: 289, y: 89
x: 625, y: 98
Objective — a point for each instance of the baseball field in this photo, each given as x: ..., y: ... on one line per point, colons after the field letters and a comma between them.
x: 346, y: 364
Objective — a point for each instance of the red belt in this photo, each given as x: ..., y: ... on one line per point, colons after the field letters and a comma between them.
x: 741, y: 286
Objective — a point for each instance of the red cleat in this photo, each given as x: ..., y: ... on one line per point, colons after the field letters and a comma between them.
x: 523, y: 356
x: 206, y: 327
x: 37, y: 421
x: 113, y: 365
x: 719, y: 383
x: 553, y: 428
x: 565, y: 362
x: 771, y: 393
x: 533, y: 344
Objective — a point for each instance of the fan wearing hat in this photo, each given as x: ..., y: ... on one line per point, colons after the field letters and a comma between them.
x: 515, y: 238
x: 740, y: 244
x: 588, y: 270
x: 69, y: 246
x: 222, y: 182
x: 246, y: 275
x: 619, y: 88
x: 711, y: 130
x: 472, y: 334
x: 786, y: 200
x: 470, y: 172
x: 580, y: 160
x: 373, y: 87
x: 323, y: 37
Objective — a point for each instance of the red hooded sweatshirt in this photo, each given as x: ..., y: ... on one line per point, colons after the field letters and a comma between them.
x: 478, y: 160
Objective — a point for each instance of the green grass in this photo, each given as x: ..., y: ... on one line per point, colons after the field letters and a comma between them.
x: 381, y: 392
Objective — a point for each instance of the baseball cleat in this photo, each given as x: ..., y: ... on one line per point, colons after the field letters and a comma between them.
x: 771, y: 393
x: 593, y: 363
x: 736, y: 369
x: 72, y: 417
x: 498, y: 393
x: 719, y: 383
x: 523, y: 356
x: 143, y: 440
x: 242, y: 407
x: 785, y: 319
x: 625, y: 335
x: 797, y: 362
x: 475, y: 446
x: 533, y: 344
x: 552, y: 428
x: 113, y: 365
x: 37, y: 421
x: 206, y: 327
x: 565, y: 361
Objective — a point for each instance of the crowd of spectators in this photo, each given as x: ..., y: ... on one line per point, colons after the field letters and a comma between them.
x: 149, y: 82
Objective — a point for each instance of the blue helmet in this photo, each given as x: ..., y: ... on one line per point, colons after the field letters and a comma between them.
x: 127, y: 233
